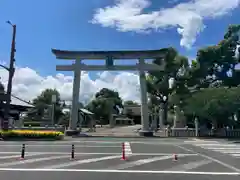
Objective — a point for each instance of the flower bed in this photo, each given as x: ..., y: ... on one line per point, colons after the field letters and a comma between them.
x: 31, y: 134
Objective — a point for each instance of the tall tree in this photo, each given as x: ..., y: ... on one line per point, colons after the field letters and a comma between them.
x: 217, y: 63
x: 176, y: 67
x: 44, y: 101
x: 105, y: 103
x: 217, y: 105
x: 215, y: 66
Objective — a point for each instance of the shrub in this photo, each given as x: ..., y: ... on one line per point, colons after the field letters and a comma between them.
x: 31, y: 134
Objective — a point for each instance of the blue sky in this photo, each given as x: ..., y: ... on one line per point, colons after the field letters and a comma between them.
x: 64, y: 24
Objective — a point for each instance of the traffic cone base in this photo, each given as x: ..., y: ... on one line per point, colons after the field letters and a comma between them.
x: 124, y: 158
x: 175, y: 158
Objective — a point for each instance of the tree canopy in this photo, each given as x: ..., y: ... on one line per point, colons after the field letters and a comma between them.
x: 43, y: 103
x: 106, y: 102
x: 202, y: 87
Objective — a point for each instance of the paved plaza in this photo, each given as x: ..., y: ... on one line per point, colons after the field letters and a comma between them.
x: 100, y: 158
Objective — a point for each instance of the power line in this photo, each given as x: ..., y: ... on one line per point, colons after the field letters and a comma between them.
x: 20, y: 99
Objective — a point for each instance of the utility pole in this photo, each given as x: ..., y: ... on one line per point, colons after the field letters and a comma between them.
x: 10, y: 77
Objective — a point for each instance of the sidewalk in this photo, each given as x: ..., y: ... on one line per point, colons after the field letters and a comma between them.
x: 125, y: 131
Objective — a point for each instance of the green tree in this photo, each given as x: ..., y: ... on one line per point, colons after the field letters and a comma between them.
x: 216, y: 65
x: 104, y: 104
x: 176, y: 67
x: 44, y: 101
x: 216, y: 105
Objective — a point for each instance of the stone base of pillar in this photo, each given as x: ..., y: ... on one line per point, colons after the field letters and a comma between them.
x: 71, y: 132
x: 146, y: 133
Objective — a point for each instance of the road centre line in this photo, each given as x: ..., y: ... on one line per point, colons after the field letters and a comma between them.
x: 122, y: 171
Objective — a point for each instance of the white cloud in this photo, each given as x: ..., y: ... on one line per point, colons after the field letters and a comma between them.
x: 27, y: 84
x: 129, y: 15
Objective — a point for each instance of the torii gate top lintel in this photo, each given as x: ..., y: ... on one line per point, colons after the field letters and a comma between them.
x: 124, y: 54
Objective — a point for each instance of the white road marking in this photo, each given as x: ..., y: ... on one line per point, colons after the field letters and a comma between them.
x: 58, y: 145
x: 189, y: 166
x: 236, y: 155
x: 14, y: 156
x: 140, y: 162
x: 96, y: 153
x: 219, y: 145
x: 68, y: 143
x: 31, y: 161
x: 228, y: 151
x: 97, y: 142
x: 123, y: 171
x: 84, y: 161
x: 210, y: 158
x: 81, y: 142
x: 227, y: 148
x: 128, y: 150
x: 196, y: 140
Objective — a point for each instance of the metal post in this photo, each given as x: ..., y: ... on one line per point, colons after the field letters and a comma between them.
x: 196, y: 127
x: 9, y: 86
x: 23, y: 152
x: 54, y: 100
x: 53, y: 113
x: 73, y: 152
x: 161, y: 115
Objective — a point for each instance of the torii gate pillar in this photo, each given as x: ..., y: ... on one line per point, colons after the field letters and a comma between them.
x: 75, y: 96
x: 144, y: 103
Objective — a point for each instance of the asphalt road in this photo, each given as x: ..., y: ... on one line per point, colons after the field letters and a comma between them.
x: 100, y: 158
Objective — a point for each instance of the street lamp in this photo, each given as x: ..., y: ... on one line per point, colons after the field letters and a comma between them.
x: 11, y: 71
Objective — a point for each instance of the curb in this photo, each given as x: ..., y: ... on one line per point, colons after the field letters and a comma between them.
x: 119, y: 136
x: 12, y: 139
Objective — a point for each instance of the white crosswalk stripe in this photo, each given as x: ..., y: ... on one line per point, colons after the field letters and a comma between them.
x: 230, y: 149
x: 57, y: 161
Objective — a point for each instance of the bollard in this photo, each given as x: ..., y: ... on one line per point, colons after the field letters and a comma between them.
x: 123, y: 152
x: 23, y: 152
x: 73, y: 152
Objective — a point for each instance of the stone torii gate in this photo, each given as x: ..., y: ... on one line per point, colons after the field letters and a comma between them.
x: 109, y: 57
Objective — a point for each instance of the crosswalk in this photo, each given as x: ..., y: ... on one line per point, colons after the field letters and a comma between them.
x: 92, y: 161
x: 222, y: 147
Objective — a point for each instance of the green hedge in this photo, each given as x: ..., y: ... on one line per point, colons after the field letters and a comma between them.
x: 31, y: 134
